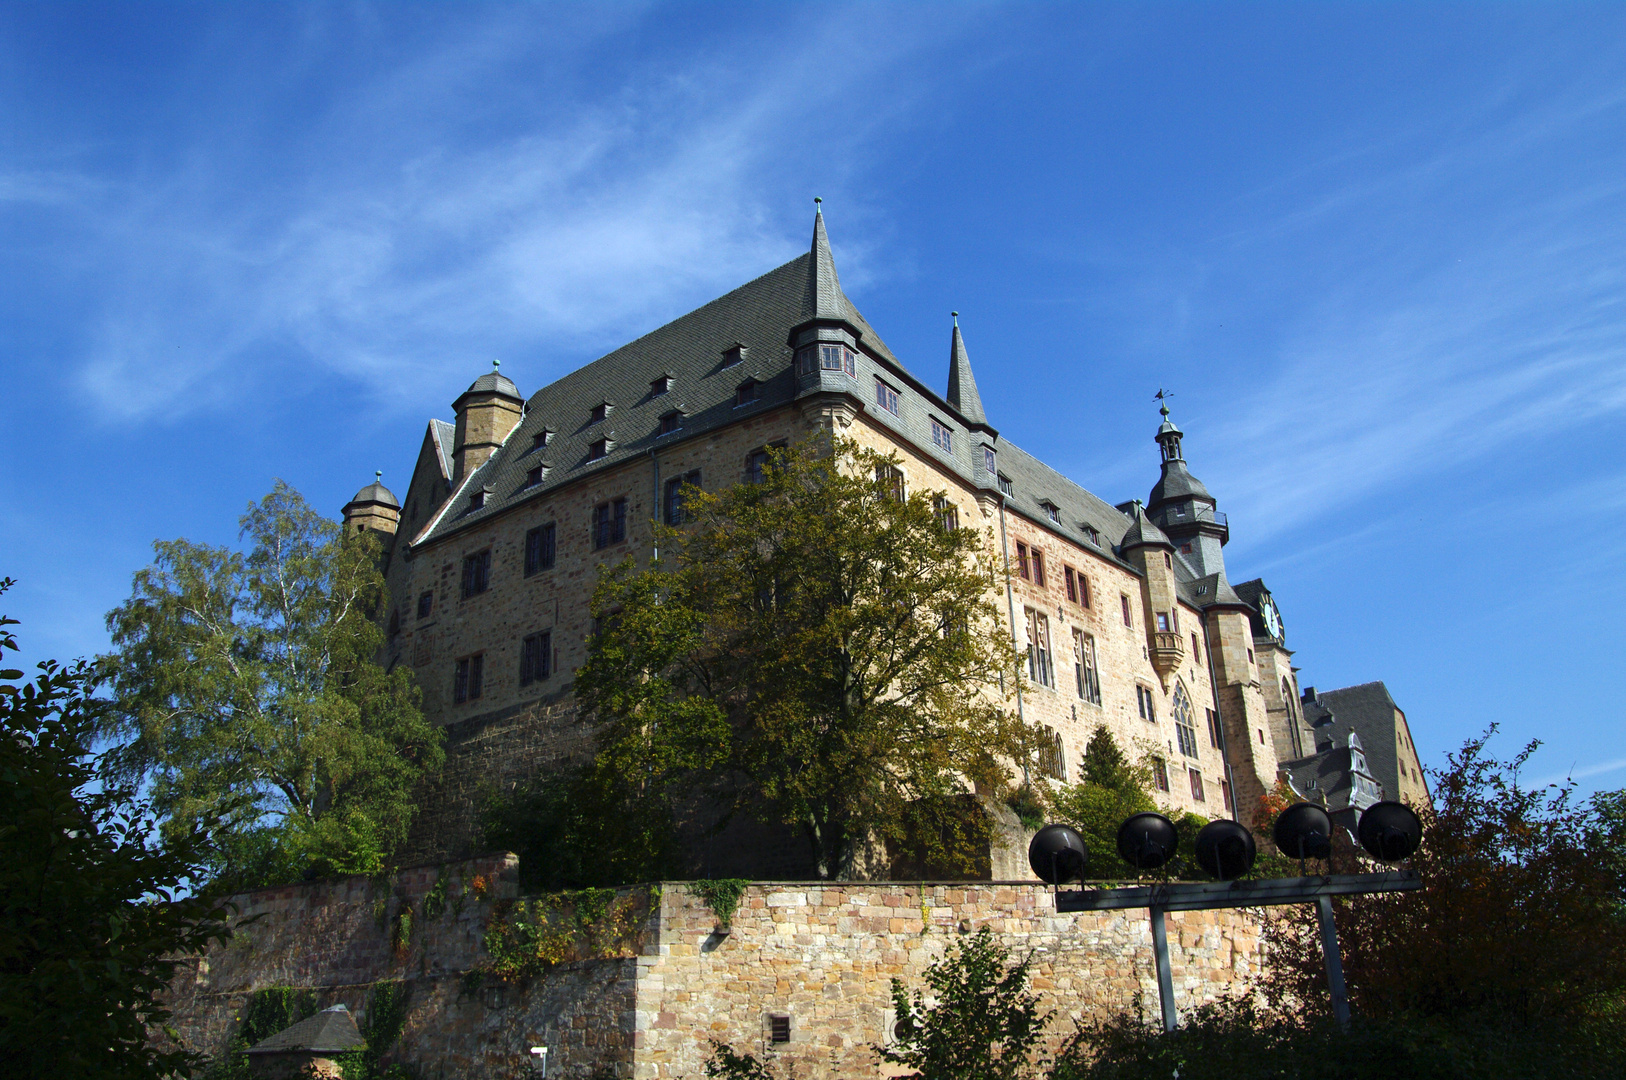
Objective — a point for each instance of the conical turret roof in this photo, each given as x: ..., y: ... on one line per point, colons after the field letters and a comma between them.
x: 1142, y: 532
x: 962, y: 385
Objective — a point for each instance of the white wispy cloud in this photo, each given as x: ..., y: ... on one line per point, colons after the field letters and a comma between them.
x: 403, y: 253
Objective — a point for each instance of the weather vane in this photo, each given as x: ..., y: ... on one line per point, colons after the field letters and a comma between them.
x: 1163, y: 396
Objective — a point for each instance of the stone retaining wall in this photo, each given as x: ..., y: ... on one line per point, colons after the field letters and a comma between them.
x: 821, y: 955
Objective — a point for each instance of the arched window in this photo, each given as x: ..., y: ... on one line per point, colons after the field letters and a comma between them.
x: 1184, y: 729
x: 1287, y: 699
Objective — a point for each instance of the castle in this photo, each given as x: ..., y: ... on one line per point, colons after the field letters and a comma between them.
x: 1126, y: 612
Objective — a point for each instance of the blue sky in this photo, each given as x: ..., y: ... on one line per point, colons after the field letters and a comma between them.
x: 1378, y: 252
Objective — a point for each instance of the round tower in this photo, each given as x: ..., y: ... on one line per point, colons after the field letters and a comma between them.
x: 374, y: 507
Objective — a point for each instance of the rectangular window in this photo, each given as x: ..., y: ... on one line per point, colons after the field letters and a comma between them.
x: 539, y: 549
x: 1052, y: 511
x: 886, y: 397
x: 535, y: 658
x: 1038, y: 567
x: 1174, y: 620
x: 671, y: 423
x: 1184, y: 732
x: 890, y: 480
x: 534, y: 475
x: 1196, y: 649
x: 830, y: 357
x: 1039, y: 667
x: 1216, y: 735
x: 540, y: 439
x: 599, y: 413
x: 779, y: 1029
x: 1163, y: 621
x: 1225, y: 793
x: 851, y: 361
x: 1072, y: 583
x: 1087, y: 674
x: 1005, y: 488
x: 948, y: 515
x: 746, y: 394
x: 1160, y: 774
x: 673, y: 512
x: 942, y: 437
x: 1093, y: 535
x: 609, y: 523
x: 1053, y: 755
x: 1123, y: 598
x: 1022, y: 561
x: 1196, y: 784
x: 755, y: 465
x: 1146, y: 703
x: 476, y: 573
x: 466, y: 682
x: 426, y: 604
x: 598, y: 448
x: 989, y: 462
x: 661, y: 386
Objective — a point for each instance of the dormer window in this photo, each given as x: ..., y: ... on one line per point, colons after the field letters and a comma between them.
x: 1005, y: 485
x: 477, y: 498
x: 1092, y: 534
x: 671, y: 422
x: 734, y: 354
x: 989, y: 462
x: 541, y: 439
x: 942, y: 436
x: 660, y: 386
x: 597, y: 449
x: 1051, y: 511
x: 600, y: 411
x: 746, y: 393
x: 886, y: 397
x: 535, y: 474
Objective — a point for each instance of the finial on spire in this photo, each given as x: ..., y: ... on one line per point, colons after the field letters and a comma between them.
x: 496, y: 364
x: 378, y: 475
x: 818, y: 205
x: 955, y: 315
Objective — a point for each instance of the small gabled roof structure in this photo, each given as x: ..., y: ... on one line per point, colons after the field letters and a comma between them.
x: 331, y: 1031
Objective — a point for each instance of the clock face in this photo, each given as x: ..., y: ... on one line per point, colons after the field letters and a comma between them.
x: 1272, y: 617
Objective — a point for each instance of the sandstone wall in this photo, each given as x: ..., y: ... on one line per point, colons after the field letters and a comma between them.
x: 820, y: 954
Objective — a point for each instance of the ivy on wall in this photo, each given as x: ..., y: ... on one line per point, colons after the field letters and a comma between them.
x: 722, y: 896
x: 527, y: 938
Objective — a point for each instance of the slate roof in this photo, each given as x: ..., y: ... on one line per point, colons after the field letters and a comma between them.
x: 694, y: 351
x: 331, y: 1031
x: 375, y: 493
x: 962, y: 387
x: 1177, y: 483
x: 1369, y: 711
x: 445, y: 436
x: 1141, y: 531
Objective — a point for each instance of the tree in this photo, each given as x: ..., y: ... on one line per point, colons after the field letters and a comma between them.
x: 818, y: 648
x: 254, y: 674
x: 93, y: 918
x: 981, y: 1023
x: 1516, y: 927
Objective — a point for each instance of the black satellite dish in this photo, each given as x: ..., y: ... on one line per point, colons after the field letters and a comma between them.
x: 1304, y: 831
x: 1225, y: 849
x: 1147, y: 841
x: 1390, y: 831
x: 1058, y: 855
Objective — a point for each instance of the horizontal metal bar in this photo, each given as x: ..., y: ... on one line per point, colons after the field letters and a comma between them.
x: 1202, y: 895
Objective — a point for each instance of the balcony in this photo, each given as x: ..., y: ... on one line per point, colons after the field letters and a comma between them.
x: 1168, y: 651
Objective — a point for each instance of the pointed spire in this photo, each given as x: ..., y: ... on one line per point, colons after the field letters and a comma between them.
x: 825, y: 299
x: 962, y: 386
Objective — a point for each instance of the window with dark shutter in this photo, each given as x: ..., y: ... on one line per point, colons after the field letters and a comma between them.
x: 535, y: 658
x: 539, y: 549
x: 476, y: 573
x: 779, y: 1029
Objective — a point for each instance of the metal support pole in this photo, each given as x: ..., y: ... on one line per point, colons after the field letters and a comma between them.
x: 1165, y: 977
x: 1335, y: 963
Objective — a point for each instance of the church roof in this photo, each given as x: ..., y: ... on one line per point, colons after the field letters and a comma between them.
x: 331, y: 1031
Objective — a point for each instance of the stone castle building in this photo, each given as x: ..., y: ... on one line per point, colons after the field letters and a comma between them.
x: 1126, y: 612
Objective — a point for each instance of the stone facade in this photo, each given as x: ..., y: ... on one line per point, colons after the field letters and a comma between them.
x: 820, y: 955
x: 1183, y: 668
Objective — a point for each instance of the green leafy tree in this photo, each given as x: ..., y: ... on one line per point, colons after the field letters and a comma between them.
x: 818, y: 648
x: 253, y: 673
x: 1516, y: 927
x: 93, y: 917
x: 1110, y: 790
x: 981, y: 1022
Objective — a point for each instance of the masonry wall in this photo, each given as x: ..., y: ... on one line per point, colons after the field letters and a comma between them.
x: 820, y: 954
